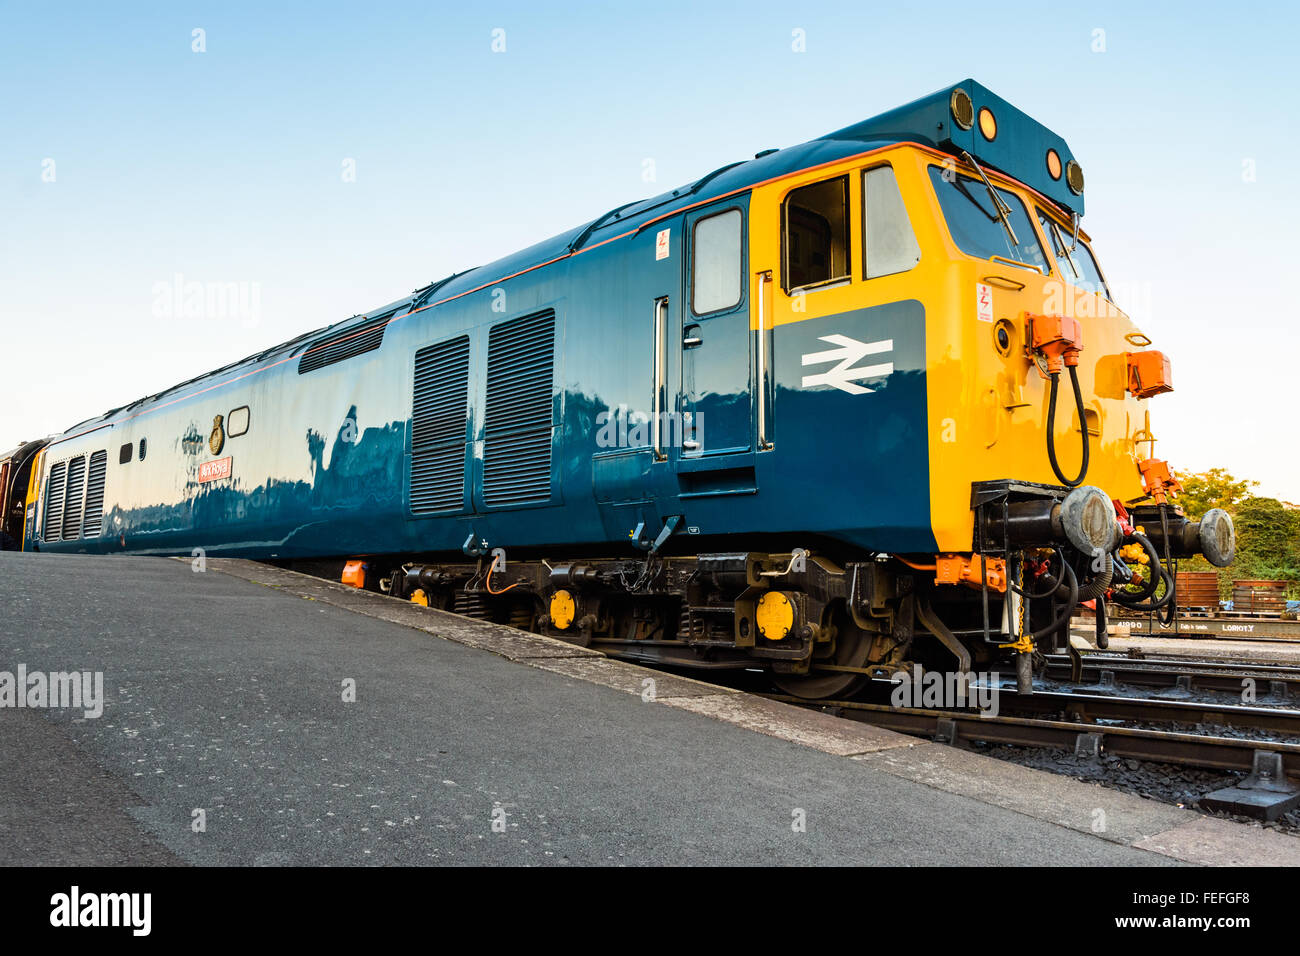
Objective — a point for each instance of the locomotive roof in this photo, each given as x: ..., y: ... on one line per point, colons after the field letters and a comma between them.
x: 927, y: 121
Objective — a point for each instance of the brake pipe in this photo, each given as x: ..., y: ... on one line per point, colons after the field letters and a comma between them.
x: 1149, y: 587
x: 1063, y: 619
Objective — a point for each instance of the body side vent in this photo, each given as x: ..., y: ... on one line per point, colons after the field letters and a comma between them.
x: 93, y: 523
x: 345, y: 344
x: 518, y: 416
x: 74, y: 498
x: 52, y: 529
x: 439, y: 412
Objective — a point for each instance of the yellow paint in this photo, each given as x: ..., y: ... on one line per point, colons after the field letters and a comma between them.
x: 987, y: 411
x: 775, y: 615
x: 33, y: 496
x: 563, y: 609
x: 419, y: 597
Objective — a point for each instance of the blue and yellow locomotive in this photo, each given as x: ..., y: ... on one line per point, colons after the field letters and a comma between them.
x: 842, y: 407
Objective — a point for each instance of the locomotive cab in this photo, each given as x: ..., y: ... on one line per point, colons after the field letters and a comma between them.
x: 15, y: 478
x: 1038, y: 444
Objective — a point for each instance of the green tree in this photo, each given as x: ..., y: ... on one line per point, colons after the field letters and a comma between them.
x: 1215, y: 488
x: 1268, y: 533
x: 1268, y: 540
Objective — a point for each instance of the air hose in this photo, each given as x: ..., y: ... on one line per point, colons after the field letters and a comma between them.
x: 1099, y: 583
x: 1053, y: 582
x: 1071, y: 584
x: 1051, y: 427
x: 1138, y: 601
x: 1133, y: 598
x: 1171, y: 570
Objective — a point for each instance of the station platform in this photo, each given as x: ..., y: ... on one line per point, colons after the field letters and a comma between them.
x: 228, y: 735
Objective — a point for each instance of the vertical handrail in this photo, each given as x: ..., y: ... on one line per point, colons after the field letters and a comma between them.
x: 764, y: 278
x: 660, y: 320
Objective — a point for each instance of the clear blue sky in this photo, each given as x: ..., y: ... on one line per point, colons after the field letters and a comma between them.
x: 226, y: 166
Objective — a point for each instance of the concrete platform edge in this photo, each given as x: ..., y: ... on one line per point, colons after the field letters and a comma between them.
x: 1181, y: 834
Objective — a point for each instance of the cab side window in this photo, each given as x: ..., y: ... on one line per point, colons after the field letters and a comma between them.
x: 716, y: 262
x: 888, y: 243
x: 815, y: 234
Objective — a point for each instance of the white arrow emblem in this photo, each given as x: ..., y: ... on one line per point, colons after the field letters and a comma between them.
x: 844, y: 375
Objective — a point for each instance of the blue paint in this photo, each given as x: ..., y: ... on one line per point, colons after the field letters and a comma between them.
x: 324, y: 467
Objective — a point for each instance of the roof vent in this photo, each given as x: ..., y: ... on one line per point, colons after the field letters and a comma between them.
x: 345, y: 343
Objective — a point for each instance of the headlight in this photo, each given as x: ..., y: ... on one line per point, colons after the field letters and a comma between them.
x: 963, y: 110
x: 1074, y: 176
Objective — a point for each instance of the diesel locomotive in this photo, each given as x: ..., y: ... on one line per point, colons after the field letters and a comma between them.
x: 830, y: 412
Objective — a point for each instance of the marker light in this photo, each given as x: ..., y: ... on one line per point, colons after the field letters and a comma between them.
x: 1054, y: 164
x: 963, y: 110
x: 988, y: 125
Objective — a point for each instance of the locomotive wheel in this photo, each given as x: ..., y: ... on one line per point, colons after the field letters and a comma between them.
x: 851, y: 649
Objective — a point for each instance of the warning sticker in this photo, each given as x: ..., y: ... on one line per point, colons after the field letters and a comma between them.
x: 661, y: 244
x: 983, y: 302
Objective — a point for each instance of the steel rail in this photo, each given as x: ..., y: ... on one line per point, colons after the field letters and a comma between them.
x: 1094, y: 707
x: 1166, y: 672
x: 1199, y: 750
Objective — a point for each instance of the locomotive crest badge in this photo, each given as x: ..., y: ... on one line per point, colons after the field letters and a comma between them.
x: 217, y: 439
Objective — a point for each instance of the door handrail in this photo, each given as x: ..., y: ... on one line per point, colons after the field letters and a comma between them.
x: 660, y: 334
x: 764, y: 277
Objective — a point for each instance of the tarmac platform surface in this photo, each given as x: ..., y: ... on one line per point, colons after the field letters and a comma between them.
x: 469, y: 743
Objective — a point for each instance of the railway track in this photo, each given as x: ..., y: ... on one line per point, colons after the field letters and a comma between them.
x: 1091, y: 724
x: 1093, y: 708
x: 1276, y: 680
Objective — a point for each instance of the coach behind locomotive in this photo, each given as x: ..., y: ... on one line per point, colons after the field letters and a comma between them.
x: 801, y: 414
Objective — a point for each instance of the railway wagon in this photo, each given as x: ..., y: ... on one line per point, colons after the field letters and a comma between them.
x: 831, y: 411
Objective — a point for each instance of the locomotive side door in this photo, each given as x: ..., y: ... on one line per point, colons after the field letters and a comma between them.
x: 717, y: 355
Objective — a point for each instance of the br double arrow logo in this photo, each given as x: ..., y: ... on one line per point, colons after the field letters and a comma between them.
x: 848, y: 353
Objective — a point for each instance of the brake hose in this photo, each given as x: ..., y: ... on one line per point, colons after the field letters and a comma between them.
x: 1099, y: 583
x: 1154, y: 605
x: 1133, y: 598
x: 1170, y: 569
x: 1164, y: 576
x: 1067, y: 611
x: 1051, y: 427
x: 1047, y: 575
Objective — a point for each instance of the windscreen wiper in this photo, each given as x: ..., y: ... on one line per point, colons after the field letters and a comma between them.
x: 961, y: 188
x: 1059, y: 241
x: 1004, y: 211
